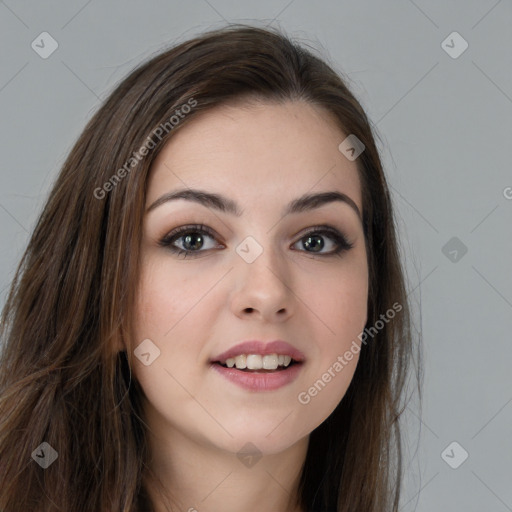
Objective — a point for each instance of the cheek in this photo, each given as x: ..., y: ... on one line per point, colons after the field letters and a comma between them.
x: 165, y: 315
x: 341, y: 304
x: 164, y: 298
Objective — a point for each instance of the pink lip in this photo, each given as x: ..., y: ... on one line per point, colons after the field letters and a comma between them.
x: 259, y: 381
x: 278, y: 347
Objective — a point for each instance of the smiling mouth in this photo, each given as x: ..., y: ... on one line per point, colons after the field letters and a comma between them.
x: 256, y: 363
x: 259, y: 373
x: 261, y: 370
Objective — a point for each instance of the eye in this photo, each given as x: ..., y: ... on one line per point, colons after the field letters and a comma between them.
x: 192, y: 238
x: 313, y: 241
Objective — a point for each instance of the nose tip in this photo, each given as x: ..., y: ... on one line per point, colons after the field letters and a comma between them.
x: 262, y: 287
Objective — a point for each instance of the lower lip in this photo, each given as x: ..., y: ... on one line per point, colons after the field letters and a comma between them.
x: 260, y: 381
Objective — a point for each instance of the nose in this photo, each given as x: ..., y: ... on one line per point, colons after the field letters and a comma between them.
x: 263, y: 287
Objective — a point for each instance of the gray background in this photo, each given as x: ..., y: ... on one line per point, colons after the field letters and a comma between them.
x: 446, y: 129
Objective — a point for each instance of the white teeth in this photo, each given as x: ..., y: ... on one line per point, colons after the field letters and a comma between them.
x: 241, y: 362
x: 258, y: 362
x: 254, y: 362
x: 270, y: 362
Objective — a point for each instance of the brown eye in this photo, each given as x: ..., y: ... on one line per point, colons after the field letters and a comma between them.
x: 192, y: 239
x: 313, y: 241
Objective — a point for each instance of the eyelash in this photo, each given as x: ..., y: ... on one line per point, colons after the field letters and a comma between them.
x: 167, y: 241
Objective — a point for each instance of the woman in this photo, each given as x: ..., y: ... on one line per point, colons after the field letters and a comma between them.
x: 211, y: 311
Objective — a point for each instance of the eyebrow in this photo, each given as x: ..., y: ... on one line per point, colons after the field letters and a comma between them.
x: 219, y: 202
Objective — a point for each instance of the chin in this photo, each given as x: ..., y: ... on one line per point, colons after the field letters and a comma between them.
x: 269, y: 435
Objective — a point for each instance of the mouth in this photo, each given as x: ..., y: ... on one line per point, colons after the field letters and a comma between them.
x: 260, y: 380
x: 256, y: 367
x: 257, y: 363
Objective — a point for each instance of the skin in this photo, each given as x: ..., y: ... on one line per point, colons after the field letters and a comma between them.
x: 262, y: 156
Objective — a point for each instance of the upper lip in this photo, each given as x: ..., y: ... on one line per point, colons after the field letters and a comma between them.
x: 278, y: 347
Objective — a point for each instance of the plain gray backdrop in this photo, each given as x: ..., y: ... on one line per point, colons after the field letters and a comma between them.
x: 436, y: 81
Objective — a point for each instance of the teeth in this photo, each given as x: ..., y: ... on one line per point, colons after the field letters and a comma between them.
x: 258, y: 362
x: 270, y: 362
x: 241, y: 362
x: 254, y: 362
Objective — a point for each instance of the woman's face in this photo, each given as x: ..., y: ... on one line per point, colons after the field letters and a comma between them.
x: 263, y: 274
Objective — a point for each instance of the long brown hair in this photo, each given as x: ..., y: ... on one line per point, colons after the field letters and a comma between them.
x: 61, y: 381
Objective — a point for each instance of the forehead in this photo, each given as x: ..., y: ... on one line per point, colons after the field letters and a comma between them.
x: 253, y: 151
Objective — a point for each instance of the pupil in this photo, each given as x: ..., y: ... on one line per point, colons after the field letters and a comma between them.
x: 188, y: 238
x: 312, y: 244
